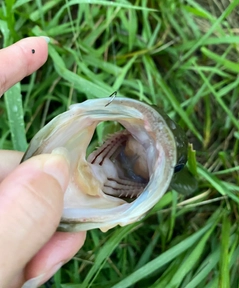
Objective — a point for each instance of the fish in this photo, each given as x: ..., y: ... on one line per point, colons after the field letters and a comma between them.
x: 120, y: 181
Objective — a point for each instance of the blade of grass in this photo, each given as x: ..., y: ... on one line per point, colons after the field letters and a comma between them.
x: 210, y: 263
x: 191, y: 260
x: 121, y: 4
x: 164, y: 258
x: 220, y: 100
x: 210, y: 41
x: 123, y: 73
x: 177, y: 107
x: 37, y: 14
x: 105, y: 252
x: 13, y: 102
x: 163, y: 281
x: 201, y: 91
x: 234, y: 67
x: 146, y: 254
x: 80, y: 83
x: 216, y: 183
x: 224, y: 278
x: 201, y: 40
x: 192, y: 161
x: 173, y: 214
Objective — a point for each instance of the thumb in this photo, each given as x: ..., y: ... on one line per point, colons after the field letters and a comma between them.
x: 31, y: 203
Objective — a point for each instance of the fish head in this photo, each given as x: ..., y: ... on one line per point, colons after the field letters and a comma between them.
x: 121, y: 180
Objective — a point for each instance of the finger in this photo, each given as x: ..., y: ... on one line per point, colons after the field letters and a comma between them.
x: 9, y: 160
x: 59, y: 250
x: 21, y: 59
x: 31, y: 203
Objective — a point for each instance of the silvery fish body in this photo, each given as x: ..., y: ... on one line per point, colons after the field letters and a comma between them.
x: 125, y: 177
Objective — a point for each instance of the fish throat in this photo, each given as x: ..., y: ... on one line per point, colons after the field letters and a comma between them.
x: 124, y: 162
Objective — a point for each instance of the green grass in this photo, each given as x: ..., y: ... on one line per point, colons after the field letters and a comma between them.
x: 179, y: 55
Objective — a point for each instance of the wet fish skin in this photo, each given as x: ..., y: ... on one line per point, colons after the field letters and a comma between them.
x: 180, y: 139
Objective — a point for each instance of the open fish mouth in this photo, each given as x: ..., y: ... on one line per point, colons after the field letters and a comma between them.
x: 125, y: 177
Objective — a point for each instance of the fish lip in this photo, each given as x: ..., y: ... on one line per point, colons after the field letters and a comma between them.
x: 129, y: 109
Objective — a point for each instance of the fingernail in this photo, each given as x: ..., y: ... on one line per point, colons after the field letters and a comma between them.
x: 58, y: 166
x: 39, y: 280
x: 34, y: 282
x: 47, y: 39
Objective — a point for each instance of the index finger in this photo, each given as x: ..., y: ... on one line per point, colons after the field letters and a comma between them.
x: 21, y: 59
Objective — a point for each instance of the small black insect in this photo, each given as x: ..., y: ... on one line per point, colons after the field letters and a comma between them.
x: 33, y: 51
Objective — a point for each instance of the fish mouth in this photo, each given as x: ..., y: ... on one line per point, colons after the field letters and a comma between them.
x: 121, y: 180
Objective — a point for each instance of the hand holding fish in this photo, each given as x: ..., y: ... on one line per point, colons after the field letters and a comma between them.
x: 31, y: 193
x: 117, y: 184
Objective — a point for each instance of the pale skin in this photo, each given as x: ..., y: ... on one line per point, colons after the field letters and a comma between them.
x: 31, y: 194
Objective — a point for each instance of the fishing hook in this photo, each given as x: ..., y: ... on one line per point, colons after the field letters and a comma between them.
x: 112, y: 96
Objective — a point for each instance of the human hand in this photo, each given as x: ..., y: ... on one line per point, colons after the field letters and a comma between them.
x: 31, y: 194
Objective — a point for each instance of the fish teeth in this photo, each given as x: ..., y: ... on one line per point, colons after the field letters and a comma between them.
x: 123, y: 188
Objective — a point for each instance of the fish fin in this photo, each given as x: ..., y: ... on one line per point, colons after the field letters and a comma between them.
x: 184, y: 182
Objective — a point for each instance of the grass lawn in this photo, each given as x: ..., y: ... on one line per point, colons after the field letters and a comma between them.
x: 182, y: 56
